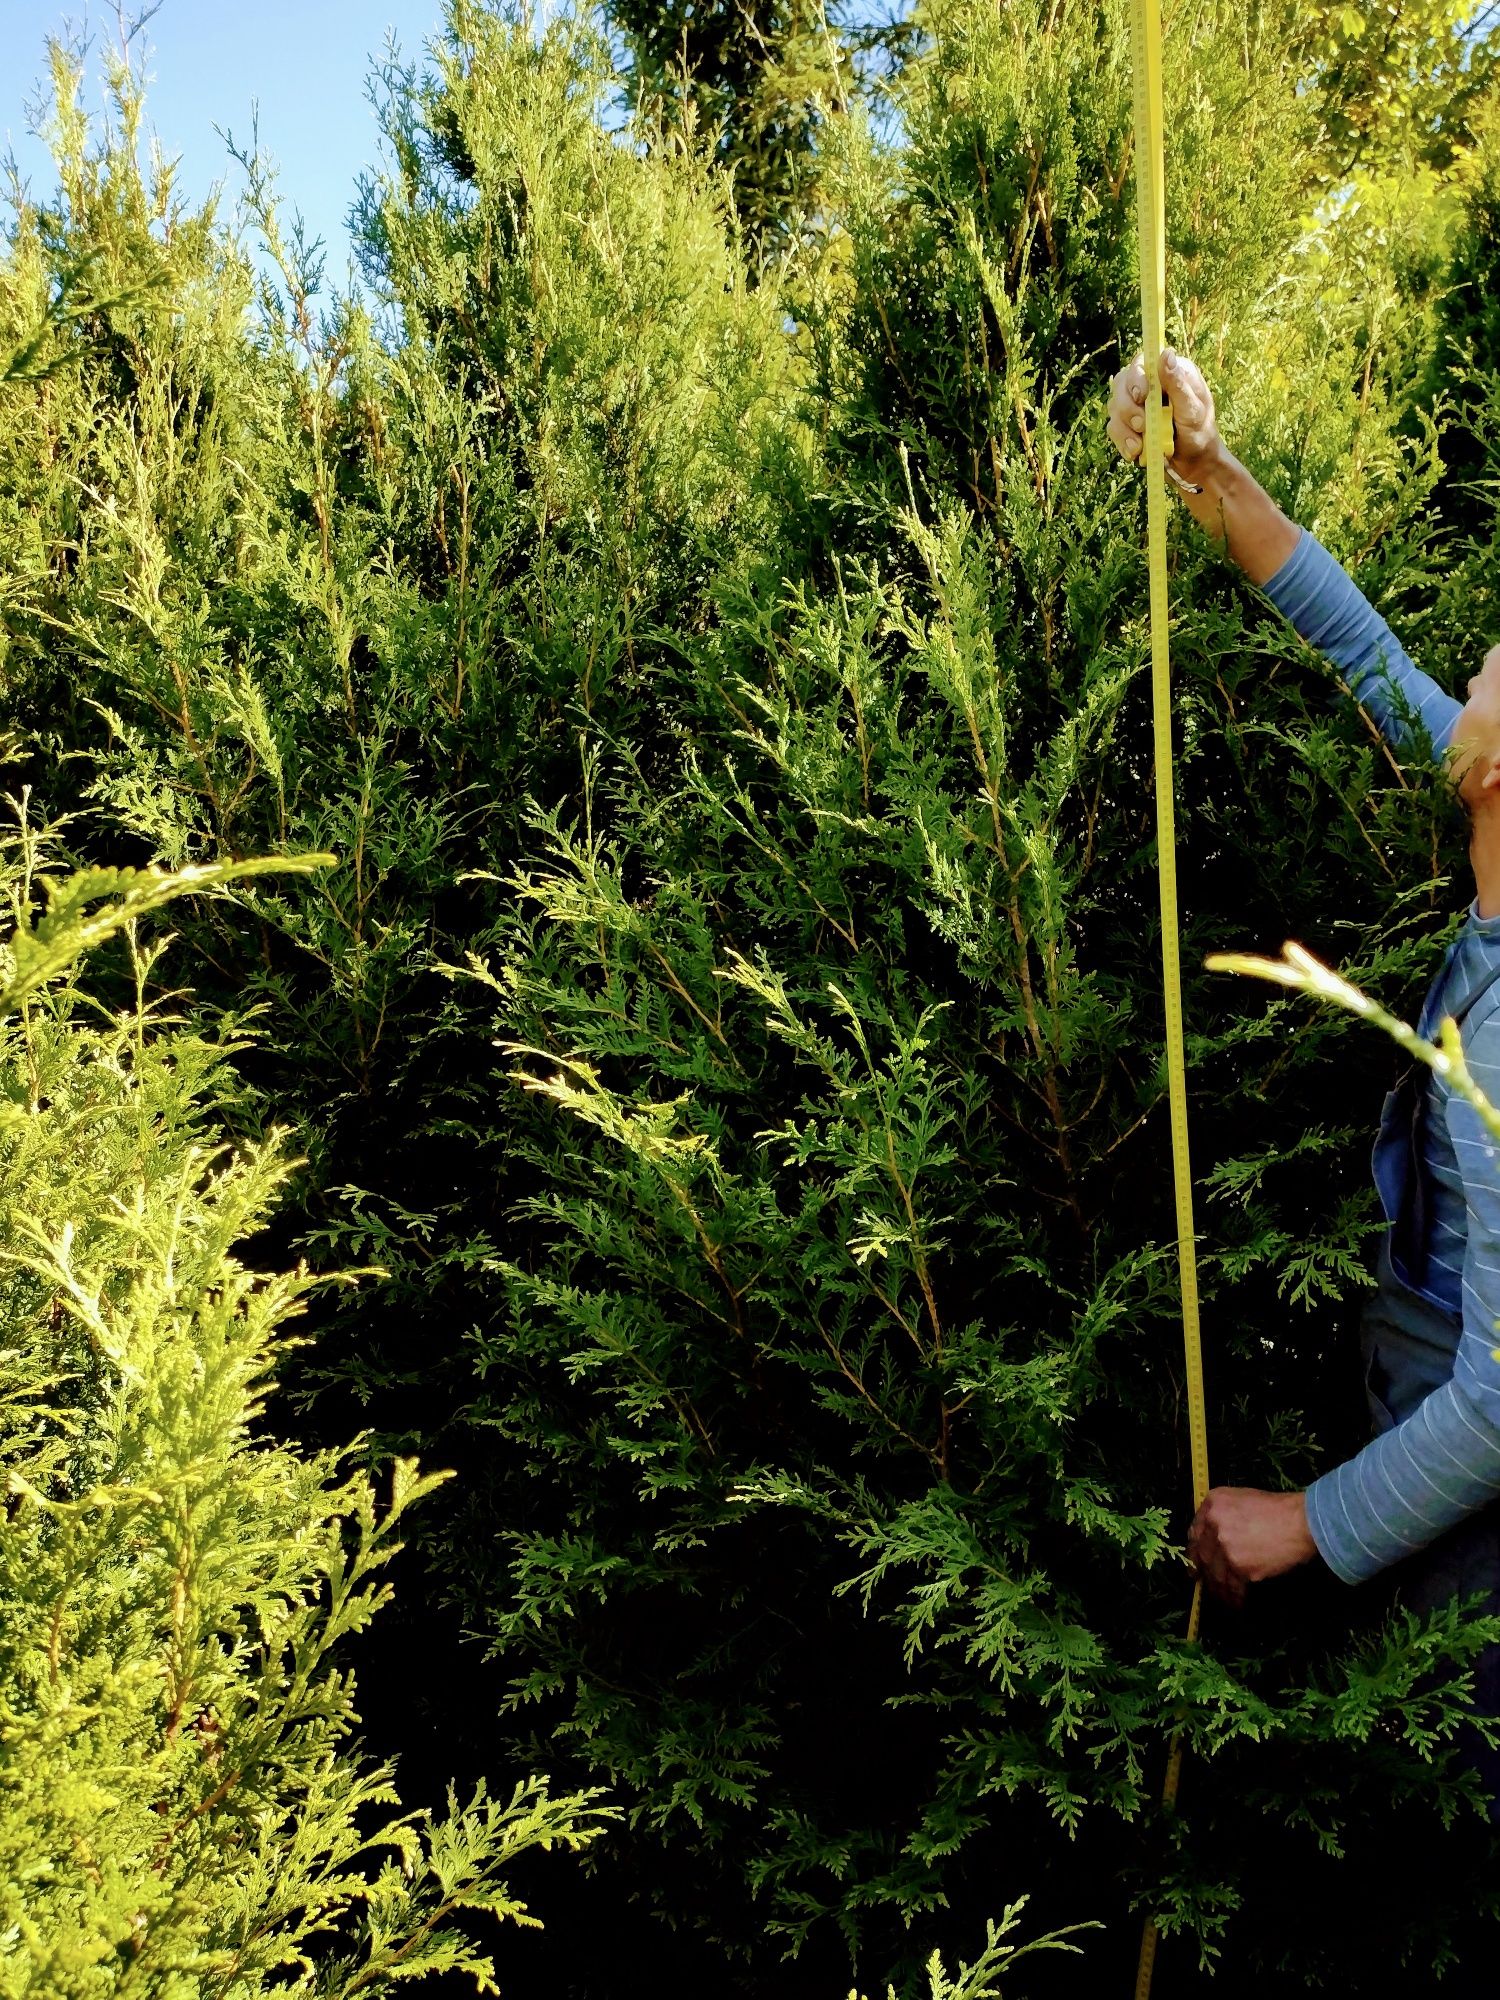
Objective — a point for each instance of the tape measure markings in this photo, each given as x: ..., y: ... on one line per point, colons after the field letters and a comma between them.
x: 1146, y: 83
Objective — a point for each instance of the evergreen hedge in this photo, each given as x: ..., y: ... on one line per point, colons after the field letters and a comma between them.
x: 733, y: 1027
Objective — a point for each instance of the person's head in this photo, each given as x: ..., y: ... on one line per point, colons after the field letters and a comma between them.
x: 1476, y: 740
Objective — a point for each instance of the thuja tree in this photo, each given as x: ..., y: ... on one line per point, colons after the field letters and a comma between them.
x: 183, y: 1808
x: 285, y: 584
x: 333, y: 594
x: 758, y: 84
x: 1401, y: 79
x: 837, y: 1358
x: 738, y: 690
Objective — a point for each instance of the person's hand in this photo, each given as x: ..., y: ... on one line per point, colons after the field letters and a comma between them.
x: 1241, y: 1536
x: 1196, y: 439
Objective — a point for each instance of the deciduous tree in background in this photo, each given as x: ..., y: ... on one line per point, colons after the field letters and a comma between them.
x: 1399, y: 81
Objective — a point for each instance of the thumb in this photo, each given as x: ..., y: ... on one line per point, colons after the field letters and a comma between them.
x: 1183, y: 388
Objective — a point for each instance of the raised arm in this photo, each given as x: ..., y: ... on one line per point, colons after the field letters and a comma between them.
x: 1232, y: 505
x: 1308, y: 587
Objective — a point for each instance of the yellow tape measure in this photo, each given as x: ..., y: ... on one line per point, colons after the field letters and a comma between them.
x: 1146, y: 78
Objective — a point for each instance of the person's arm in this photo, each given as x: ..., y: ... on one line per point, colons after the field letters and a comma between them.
x: 1232, y: 506
x: 1442, y: 1463
x: 1321, y: 601
x: 1304, y: 582
x: 1433, y: 1469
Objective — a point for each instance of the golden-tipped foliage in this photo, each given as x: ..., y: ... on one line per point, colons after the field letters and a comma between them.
x: 184, y: 1808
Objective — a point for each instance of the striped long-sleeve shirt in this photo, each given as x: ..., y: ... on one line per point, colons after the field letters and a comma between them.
x: 1439, y: 1460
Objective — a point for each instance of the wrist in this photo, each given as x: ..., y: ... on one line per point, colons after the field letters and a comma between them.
x: 1301, y: 1527
x: 1215, y: 468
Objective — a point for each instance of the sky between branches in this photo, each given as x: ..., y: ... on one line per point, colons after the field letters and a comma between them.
x: 304, y: 62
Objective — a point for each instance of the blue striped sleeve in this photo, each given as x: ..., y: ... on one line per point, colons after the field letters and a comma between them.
x: 1442, y: 1463
x: 1322, y: 602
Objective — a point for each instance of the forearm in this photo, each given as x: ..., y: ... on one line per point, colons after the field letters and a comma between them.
x: 1322, y: 602
x: 1238, y: 512
x: 1299, y: 576
x: 1406, y: 1487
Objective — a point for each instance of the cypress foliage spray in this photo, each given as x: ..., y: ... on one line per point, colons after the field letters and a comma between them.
x: 734, y: 1025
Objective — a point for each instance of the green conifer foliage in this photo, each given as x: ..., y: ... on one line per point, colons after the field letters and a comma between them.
x: 849, y: 1267
x: 182, y: 1808
x: 734, y: 1026
x: 1400, y: 80
x: 760, y: 82
x: 1464, y: 354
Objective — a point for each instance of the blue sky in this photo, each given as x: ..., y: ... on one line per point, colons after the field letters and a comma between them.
x: 303, y: 61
